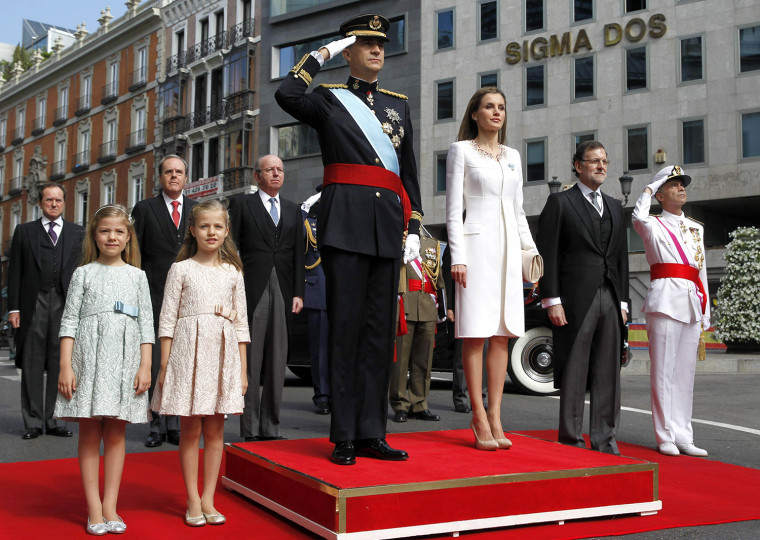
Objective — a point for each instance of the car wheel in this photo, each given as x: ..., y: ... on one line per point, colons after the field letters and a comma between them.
x: 531, y: 362
x: 302, y: 372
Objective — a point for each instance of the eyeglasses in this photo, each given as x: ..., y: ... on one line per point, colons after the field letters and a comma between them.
x: 270, y: 170
x: 597, y: 162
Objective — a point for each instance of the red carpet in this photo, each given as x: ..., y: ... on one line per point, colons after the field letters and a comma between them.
x: 44, y: 498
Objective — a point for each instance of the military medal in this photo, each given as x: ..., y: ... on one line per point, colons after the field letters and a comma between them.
x: 392, y: 115
x: 370, y: 98
x: 401, y: 131
x: 387, y: 128
x: 356, y: 85
x: 396, y: 141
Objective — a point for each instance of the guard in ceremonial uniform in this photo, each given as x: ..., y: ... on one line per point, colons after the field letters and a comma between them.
x: 421, y: 279
x: 677, y: 307
x: 370, y: 193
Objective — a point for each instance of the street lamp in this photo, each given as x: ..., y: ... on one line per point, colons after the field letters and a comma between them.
x: 625, y: 186
x: 555, y: 185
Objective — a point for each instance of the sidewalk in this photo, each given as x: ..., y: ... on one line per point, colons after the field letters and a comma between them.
x: 715, y: 362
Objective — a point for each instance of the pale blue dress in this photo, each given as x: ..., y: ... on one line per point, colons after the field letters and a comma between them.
x: 106, y: 353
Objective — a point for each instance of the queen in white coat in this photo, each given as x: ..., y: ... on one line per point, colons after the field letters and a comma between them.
x: 487, y: 230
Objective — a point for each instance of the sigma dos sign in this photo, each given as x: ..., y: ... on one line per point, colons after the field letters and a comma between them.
x: 541, y: 48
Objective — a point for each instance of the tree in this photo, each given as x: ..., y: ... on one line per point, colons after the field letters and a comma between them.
x: 739, y: 293
x: 19, y: 55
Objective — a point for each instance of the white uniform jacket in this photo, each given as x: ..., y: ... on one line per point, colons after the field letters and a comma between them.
x: 675, y: 297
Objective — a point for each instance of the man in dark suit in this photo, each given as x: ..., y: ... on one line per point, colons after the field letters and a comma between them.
x: 44, y: 254
x: 370, y: 193
x: 581, y: 236
x: 268, y: 232
x: 160, y: 224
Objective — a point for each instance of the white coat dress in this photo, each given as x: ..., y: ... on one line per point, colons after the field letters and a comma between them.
x: 488, y: 240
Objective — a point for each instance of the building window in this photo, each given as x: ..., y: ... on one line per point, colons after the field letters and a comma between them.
x: 62, y: 112
x: 535, y: 160
x: 2, y: 178
x: 635, y: 5
x: 693, y: 140
x: 579, y: 138
x: 749, y: 49
x: 282, y: 7
x: 535, y: 85
x: 534, y: 15
x: 489, y: 79
x: 692, y: 55
x: 237, y: 72
x: 488, y: 21
x: 751, y: 135
x: 440, y: 172
x: 444, y: 100
x: 297, y: 140
x: 85, y: 95
x: 136, y: 190
x: 636, y: 69
x: 445, y: 29
x: 39, y: 124
x: 82, y: 204
x: 3, y: 129
x: 108, y: 187
x: 583, y: 10
x: 637, y: 148
x: 583, y: 83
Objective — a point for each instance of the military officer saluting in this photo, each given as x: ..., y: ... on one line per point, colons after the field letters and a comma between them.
x: 370, y: 193
x: 677, y: 307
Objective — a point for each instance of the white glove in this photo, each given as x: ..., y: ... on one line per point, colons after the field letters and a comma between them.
x: 411, y: 248
x: 705, y: 323
x: 335, y: 47
x: 654, y: 186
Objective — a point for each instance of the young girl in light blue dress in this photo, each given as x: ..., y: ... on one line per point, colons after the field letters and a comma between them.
x: 106, y: 342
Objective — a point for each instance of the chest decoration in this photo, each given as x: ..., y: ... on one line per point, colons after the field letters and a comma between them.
x: 395, y: 132
x: 370, y: 99
x: 430, y: 257
x: 699, y: 256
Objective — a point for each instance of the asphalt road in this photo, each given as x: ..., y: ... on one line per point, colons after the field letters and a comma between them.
x: 726, y: 423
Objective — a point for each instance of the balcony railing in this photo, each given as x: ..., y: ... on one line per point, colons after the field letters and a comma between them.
x: 137, y: 141
x: 39, y: 126
x: 15, y: 185
x: 110, y: 92
x: 84, y: 102
x: 239, y: 32
x: 206, y: 116
x: 81, y: 161
x: 206, y: 47
x: 138, y: 78
x: 108, y: 151
x: 61, y: 115
x: 173, y: 63
x: 175, y: 126
x: 58, y: 170
x: 238, y: 103
x: 18, y: 135
x: 237, y: 178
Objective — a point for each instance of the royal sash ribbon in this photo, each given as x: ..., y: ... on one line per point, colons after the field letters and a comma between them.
x: 675, y: 270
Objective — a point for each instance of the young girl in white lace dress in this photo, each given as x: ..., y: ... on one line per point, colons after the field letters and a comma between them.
x: 106, y: 342
x: 204, y: 330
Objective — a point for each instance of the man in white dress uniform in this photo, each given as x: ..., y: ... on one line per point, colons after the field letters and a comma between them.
x: 677, y: 307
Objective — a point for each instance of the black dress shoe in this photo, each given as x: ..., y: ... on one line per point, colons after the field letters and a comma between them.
x: 172, y: 437
x: 425, y: 415
x: 31, y: 433
x: 400, y: 416
x: 252, y: 439
x: 60, y: 431
x: 323, y: 408
x: 461, y: 408
x: 379, y: 449
x: 344, y: 453
x: 271, y: 438
x: 154, y: 439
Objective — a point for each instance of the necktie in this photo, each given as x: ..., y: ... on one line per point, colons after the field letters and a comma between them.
x: 175, y: 213
x: 51, y: 232
x: 595, y: 201
x: 273, y: 210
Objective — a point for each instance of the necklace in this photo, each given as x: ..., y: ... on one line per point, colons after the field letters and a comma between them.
x: 502, y: 151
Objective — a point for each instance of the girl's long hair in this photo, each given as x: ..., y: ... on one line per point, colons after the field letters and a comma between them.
x: 468, y: 129
x: 227, y: 251
x: 90, y: 251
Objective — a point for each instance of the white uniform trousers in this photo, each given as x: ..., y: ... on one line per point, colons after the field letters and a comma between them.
x: 673, y: 355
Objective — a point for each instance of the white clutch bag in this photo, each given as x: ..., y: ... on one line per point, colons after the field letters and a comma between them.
x: 532, y: 266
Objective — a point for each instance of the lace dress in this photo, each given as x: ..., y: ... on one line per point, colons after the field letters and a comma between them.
x: 106, y: 353
x: 203, y: 376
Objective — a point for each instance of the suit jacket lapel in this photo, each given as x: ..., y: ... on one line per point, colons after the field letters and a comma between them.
x: 577, y: 201
x: 261, y: 217
x: 164, y: 220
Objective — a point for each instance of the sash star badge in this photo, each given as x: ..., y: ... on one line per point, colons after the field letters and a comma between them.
x: 387, y: 128
x: 392, y: 115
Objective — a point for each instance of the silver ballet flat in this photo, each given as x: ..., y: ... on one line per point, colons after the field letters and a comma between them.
x: 195, y: 521
x: 214, y: 519
x: 97, y: 529
x: 116, y: 527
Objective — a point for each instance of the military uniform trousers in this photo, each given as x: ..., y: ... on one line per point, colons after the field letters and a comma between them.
x: 414, y: 354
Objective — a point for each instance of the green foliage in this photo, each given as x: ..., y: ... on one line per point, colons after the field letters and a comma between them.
x: 19, y: 55
x: 739, y: 294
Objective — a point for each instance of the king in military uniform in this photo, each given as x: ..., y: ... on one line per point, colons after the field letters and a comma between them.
x: 370, y: 193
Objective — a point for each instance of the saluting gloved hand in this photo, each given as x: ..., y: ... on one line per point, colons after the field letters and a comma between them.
x: 335, y: 47
x: 654, y: 186
x: 411, y: 247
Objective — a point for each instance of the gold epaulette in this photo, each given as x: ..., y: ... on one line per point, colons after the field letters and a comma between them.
x: 299, y: 72
x: 695, y: 220
x: 326, y: 85
x: 394, y: 94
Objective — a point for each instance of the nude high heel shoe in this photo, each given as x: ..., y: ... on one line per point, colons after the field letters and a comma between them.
x: 502, y: 442
x: 483, y: 445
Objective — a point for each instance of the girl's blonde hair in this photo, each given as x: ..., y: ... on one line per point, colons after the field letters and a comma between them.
x: 227, y: 251
x: 468, y: 129
x: 131, y: 253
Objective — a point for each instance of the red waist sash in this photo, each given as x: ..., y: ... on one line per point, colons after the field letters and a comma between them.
x: 368, y: 175
x: 416, y: 285
x: 683, y: 271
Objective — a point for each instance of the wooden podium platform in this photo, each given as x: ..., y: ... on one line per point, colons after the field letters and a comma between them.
x: 446, y: 486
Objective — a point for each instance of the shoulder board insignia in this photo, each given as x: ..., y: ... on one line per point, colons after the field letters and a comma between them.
x: 695, y: 221
x: 394, y: 94
x: 334, y: 85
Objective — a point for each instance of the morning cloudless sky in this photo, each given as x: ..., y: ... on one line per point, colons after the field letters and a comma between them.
x: 65, y: 13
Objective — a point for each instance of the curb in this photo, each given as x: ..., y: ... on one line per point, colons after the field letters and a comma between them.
x: 716, y: 362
